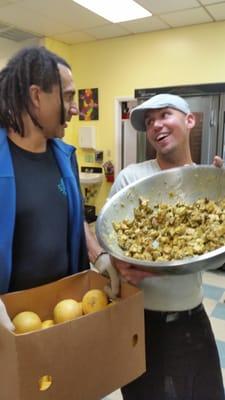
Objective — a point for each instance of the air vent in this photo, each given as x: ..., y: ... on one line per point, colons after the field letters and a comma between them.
x: 4, y: 26
x: 17, y: 35
x: 4, y: 3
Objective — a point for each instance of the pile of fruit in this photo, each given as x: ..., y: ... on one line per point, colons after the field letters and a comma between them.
x: 66, y: 310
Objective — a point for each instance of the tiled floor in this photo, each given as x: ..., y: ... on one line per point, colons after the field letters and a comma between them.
x: 214, y: 301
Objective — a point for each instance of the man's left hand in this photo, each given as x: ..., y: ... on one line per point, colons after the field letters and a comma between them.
x: 104, y: 264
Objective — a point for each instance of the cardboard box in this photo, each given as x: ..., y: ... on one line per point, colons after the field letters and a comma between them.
x: 87, y: 358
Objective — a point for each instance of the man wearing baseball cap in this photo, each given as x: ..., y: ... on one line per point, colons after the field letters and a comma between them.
x: 182, y: 358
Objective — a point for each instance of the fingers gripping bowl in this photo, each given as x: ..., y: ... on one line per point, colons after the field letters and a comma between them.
x: 184, y: 184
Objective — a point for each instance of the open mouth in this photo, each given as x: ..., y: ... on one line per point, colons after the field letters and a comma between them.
x: 162, y: 136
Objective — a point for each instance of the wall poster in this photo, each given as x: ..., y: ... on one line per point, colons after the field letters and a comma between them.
x: 88, y: 104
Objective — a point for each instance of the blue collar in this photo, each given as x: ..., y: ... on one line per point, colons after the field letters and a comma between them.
x: 6, y: 168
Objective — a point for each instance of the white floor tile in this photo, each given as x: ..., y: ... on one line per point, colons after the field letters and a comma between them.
x: 218, y: 326
x: 214, y: 278
x: 223, y: 300
x: 209, y: 305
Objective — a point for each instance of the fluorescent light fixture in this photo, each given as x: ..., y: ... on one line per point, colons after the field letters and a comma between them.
x: 115, y: 10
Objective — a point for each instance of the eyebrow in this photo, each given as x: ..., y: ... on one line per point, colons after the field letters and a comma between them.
x: 69, y: 92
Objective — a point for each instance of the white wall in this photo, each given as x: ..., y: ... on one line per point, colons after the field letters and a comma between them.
x: 9, y: 47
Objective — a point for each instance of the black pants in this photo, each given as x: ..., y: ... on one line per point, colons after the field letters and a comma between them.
x: 182, y: 359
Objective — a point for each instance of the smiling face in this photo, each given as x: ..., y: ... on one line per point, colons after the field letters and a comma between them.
x: 168, y: 130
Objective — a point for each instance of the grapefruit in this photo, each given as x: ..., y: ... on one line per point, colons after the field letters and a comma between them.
x: 94, y: 300
x: 47, y: 323
x: 26, y: 321
x: 66, y: 310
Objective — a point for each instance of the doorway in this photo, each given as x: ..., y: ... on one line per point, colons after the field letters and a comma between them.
x: 125, y: 135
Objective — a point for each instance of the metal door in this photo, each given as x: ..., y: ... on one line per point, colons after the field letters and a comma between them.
x: 204, y: 136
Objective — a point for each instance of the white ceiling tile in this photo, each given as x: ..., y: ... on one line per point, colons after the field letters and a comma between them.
x: 145, y: 25
x: 205, y: 2
x: 217, y: 11
x: 108, y: 31
x: 188, y: 17
x: 164, y: 6
x: 66, y: 12
x: 74, y: 37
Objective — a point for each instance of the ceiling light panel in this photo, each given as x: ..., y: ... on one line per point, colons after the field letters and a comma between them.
x: 116, y: 10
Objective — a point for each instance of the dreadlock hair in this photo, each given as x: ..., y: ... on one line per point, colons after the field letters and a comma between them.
x: 31, y: 65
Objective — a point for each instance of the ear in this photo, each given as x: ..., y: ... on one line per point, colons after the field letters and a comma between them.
x: 190, y: 120
x: 35, y: 95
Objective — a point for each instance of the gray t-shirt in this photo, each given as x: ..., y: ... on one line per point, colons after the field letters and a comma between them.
x: 167, y: 292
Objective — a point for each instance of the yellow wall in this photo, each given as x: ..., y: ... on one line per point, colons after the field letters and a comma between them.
x: 65, y: 51
x: 117, y: 66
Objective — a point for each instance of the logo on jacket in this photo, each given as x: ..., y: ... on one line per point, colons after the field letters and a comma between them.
x: 61, y: 187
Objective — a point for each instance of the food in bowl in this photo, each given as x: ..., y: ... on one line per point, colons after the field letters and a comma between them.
x: 166, y: 232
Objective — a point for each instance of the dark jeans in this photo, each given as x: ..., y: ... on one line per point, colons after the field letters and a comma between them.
x: 182, y: 359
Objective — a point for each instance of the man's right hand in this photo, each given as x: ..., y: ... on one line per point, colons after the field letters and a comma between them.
x: 4, y: 318
x: 104, y: 264
x: 130, y: 273
x: 218, y: 162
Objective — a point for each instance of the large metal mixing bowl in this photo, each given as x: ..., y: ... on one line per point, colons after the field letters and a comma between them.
x: 186, y: 184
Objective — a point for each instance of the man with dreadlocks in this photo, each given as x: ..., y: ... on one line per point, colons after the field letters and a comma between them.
x: 42, y: 235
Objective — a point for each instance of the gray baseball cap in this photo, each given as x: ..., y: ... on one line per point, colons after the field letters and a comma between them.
x: 137, y: 116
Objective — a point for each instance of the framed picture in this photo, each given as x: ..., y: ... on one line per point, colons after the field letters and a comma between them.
x: 88, y: 104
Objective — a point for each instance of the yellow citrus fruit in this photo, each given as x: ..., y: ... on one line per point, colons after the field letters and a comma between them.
x: 26, y: 321
x: 94, y: 300
x: 47, y: 323
x: 45, y: 382
x: 66, y: 310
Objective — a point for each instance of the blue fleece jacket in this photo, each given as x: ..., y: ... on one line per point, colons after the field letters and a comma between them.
x: 64, y: 155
